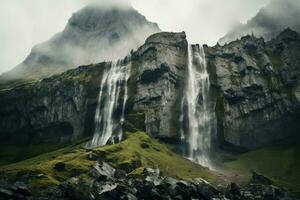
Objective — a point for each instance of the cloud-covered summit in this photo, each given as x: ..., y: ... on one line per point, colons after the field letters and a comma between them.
x: 93, y: 34
x: 269, y: 22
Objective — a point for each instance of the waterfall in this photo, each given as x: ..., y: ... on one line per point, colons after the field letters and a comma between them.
x: 198, y: 114
x: 109, y: 116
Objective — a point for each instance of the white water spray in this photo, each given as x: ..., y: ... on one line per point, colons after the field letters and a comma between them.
x: 108, y: 122
x: 199, y: 115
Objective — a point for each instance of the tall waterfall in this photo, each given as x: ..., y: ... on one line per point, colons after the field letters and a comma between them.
x: 199, y: 116
x: 109, y: 116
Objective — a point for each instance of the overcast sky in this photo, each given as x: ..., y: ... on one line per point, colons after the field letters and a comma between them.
x: 24, y: 23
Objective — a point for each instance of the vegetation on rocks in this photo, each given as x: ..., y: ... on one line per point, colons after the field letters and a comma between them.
x: 133, y: 155
x: 281, y: 164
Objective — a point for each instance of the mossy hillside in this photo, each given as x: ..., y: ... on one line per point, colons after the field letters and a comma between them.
x: 281, y: 164
x: 42, y: 170
x: 139, y: 151
x: 133, y: 155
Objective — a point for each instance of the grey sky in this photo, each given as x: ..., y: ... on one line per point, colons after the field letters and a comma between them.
x: 28, y: 22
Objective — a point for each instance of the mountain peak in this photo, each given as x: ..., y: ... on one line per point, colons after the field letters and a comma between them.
x: 96, y: 33
x: 269, y: 21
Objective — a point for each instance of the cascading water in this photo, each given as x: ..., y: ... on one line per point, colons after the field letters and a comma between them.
x: 198, y: 114
x: 110, y: 110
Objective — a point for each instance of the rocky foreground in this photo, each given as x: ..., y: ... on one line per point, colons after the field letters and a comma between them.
x: 137, y: 168
x: 110, y: 183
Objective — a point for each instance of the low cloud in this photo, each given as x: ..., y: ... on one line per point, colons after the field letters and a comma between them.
x: 24, y: 24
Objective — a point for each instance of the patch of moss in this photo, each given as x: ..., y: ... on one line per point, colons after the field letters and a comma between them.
x: 135, y: 121
x: 280, y: 164
x: 134, y: 155
x: 275, y: 60
x: 82, y: 77
x: 41, y: 169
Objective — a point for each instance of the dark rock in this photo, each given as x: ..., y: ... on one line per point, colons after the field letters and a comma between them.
x: 22, y: 189
x: 145, y: 145
x: 4, y: 193
x: 60, y: 166
x: 76, y: 189
x: 205, y: 189
x: 145, y: 190
x: 105, y: 190
x: 260, y: 179
x: 234, y: 189
x: 120, y: 174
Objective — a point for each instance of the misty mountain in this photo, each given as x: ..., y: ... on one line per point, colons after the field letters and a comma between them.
x: 269, y: 22
x: 92, y: 35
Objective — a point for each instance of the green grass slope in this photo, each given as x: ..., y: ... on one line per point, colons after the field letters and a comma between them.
x: 133, y: 155
x: 280, y: 164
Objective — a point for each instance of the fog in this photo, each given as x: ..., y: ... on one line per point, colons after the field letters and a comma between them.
x: 24, y: 24
x: 269, y: 22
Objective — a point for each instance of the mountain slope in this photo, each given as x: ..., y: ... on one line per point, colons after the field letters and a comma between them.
x: 269, y: 21
x: 93, y: 34
x: 137, y: 152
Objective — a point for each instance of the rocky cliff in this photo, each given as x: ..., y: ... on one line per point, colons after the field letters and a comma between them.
x: 255, y: 94
x: 55, y: 110
x: 257, y: 86
x: 93, y: 34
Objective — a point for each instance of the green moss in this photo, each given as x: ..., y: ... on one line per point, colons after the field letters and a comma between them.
x: 133, y: 155
x: 82, y: 77
x: 280, y: 164
x: 135, y: 121
x: 74, y: 158
x: 275, y: 60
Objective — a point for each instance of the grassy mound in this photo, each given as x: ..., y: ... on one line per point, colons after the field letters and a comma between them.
x: 280, y: 164
x: 139, y: 151
x: 133, y: 155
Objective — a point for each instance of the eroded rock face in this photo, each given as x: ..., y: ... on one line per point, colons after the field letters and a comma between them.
x: 55, y: 110
x: 256, y: 85
x: 255, y: 89
x: 158, y: 73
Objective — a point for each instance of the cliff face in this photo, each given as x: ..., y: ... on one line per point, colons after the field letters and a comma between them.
x: 55, y: 110
x: 61, y: 108
x: 257, y: 86
x: 159, y: 70
x: 255, y: 93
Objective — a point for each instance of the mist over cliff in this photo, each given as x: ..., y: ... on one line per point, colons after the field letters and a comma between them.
x: 269, y: 21
x: 93, y: 34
